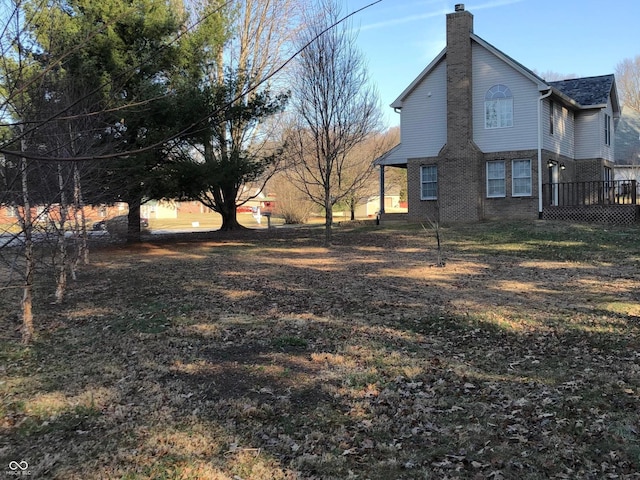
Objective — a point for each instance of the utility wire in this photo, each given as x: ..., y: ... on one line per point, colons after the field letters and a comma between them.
x: 179, y: 134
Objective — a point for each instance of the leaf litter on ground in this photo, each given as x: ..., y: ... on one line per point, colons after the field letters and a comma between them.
x: 265, y: 356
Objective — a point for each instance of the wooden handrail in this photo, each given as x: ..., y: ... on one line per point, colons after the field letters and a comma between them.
x: 604, y: 192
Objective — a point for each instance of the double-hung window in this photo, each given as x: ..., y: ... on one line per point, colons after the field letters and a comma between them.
x: 429, y: 182
x: 496, y: 179
x: 521, y: 178
x: 498, y: 107
x: 607, y: 129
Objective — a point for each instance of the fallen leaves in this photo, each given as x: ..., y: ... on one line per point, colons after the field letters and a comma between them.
x: 354, y: 363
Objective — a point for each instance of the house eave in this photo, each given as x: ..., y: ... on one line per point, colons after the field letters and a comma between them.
x: 615, y: 100
x: 387, y: 157
x: 568, y: 100
x: 397, y: 103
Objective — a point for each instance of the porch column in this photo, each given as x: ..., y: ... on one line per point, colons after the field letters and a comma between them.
x: 381, y: 189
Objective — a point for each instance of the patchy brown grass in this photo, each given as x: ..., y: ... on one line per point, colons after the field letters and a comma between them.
x: 267, y: 356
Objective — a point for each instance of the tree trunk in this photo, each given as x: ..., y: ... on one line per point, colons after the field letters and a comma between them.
x: 80, y: 231
x: 27, y: 294
x: 352, y: 207
x: 229, y: 217
x: 230, y: 222
x: 82, y: 246
x: 27, y: 228
x: 225, y: 203
x: 61, y: 283
x: 133, y: 221
x: 328, y: 217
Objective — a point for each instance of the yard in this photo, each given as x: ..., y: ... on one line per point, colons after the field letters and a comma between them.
x: 264, y: 355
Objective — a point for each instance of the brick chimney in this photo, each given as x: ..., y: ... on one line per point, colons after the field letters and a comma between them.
x: 459, y: 98
x: 460, y: 162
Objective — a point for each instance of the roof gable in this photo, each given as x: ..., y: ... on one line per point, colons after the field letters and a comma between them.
x: 397, y: 103
x: 442, y: 55
x: 541, y: 84
x: 587, y: 91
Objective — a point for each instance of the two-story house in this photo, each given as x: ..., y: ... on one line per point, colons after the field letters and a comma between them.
x: 484, y: 137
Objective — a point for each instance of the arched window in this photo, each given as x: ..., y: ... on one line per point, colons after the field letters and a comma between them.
x: 498, y: 107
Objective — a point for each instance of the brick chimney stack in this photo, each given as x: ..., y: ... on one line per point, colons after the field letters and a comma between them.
x: 459, y: 98
x: 461, y: 162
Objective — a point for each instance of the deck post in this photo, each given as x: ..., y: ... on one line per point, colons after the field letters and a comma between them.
x: 381, y: 210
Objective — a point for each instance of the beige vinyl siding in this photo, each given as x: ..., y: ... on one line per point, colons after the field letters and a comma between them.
x: 423, y: 118
x: 589, y: 134
x: 489, y: 70
x: 563, y: 139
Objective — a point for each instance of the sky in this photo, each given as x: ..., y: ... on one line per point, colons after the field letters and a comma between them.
x: 399, y: 38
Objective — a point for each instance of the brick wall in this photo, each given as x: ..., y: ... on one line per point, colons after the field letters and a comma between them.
x: 510, y: 206
x: 588, y: 170
x: 460, y: 185
x: 7, y: 216
x: 462, y: 189
x: 420, y: 210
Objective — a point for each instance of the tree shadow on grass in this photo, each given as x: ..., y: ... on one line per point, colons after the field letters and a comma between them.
x: 261, y: 369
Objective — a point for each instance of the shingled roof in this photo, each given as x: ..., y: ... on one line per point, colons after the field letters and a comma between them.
x: 586, y: 91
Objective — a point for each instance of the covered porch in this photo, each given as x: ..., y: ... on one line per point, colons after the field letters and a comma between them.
x: 390, y: 159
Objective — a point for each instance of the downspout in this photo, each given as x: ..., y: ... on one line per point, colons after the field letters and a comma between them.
x: 540, y: 99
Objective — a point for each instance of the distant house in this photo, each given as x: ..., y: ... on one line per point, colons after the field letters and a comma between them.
x: 484, y: 137
x: 627, y: 141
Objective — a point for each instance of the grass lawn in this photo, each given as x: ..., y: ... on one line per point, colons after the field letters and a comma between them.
x: 263, y: 355
x: 207, y: 221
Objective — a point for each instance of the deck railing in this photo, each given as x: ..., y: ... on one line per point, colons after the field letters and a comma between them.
x: 612, y: 192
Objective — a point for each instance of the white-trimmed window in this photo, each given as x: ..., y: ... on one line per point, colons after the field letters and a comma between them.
x: 496, y: 179
x: 428, y: 182
x: 521, y: 178
x: 607, y: 129
x: 498, y: 107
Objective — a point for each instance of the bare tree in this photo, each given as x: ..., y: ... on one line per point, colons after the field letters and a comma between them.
x: 551, y: 76
x: 628, y: 82
x: 262, y: 36
x: 362, y: 158
x: 335, y: 109
x: 291, y: 204
x: 45, y: 112
x: 15, y: 68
